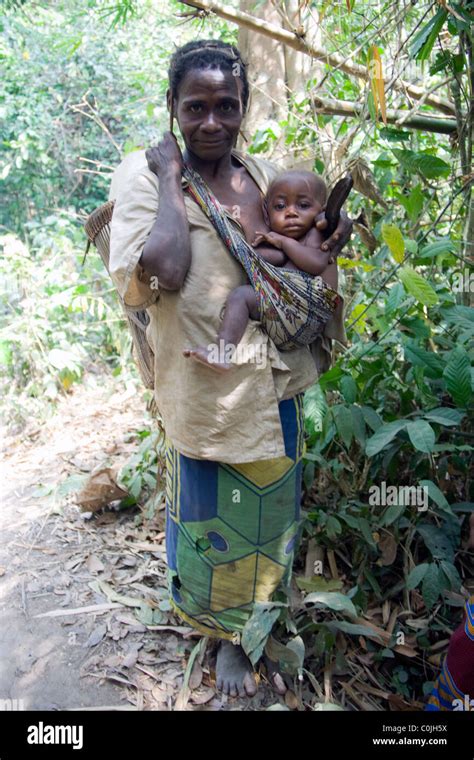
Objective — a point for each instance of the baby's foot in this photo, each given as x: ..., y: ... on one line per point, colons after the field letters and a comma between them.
x: 207, y: 357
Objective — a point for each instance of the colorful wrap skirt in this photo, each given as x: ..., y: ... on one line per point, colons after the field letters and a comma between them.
x: 454, y: 687
x: 231, y: 530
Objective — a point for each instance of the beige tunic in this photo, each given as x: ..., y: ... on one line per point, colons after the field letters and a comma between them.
x: 230, y: 417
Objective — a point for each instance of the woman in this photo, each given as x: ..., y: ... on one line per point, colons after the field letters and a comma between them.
x: 235, y: 441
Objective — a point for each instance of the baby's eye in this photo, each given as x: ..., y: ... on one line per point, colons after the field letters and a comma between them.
x: 304, y: 204
x: 279, y: 206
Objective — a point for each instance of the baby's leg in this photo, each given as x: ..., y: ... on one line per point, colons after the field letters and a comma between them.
x: 241, y: 304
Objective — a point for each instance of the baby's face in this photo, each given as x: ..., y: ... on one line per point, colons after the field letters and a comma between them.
x: 292, y: 207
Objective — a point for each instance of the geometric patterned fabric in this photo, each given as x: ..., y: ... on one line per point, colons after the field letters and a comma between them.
x: 231, y: 530
x: 454, y: 687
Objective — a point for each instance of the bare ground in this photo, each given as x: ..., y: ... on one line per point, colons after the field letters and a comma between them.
x: 67, y: 640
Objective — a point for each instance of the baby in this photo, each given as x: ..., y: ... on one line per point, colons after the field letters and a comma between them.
x: 293, y: 201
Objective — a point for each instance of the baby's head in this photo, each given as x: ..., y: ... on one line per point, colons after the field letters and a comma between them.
x: 293, y: 201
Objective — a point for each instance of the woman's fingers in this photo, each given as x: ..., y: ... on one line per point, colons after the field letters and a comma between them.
x: 166, y: 154
x: 341, y: 235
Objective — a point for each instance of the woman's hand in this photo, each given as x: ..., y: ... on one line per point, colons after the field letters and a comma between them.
x: 165, y: 157
x: 341, y: 235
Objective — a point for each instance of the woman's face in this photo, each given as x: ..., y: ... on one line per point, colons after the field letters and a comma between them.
x: 209, y: 112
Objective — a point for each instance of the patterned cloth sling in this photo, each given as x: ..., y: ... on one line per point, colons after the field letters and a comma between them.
x: 294, y: 306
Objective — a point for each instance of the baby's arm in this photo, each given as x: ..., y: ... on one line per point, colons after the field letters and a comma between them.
x: 308, y: 256
x: 273, y: 255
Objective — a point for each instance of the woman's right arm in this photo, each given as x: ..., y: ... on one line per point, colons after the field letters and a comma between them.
x: 167, y: 251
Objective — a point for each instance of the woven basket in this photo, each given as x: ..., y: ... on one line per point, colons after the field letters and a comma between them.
x: 97, y: 229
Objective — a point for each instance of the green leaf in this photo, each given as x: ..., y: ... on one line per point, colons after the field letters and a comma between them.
x: 424, y: 40
x: 383, y: 436
x: 418, y: 287
x: 394, y: 298
x: 358, y: 424
x: 432, y: 364
x: 416, y: 576
x: 348, y: 388
x: 333, y: 600
x: 437, y: 247
x: 434, y: 493
x: 343, y: 420
x: 431, y: 586
x: 444, y: 415
x: 392, y: 514
x: 366, y: 531
x: 457, y: 376
x: 372, y: 418
x: 257, y: 629
x: 413, y: 203
x: 315, y: 406
x: 451, y: 574
x: 333, y: 527
x: 288, y: 658
x: 437, y: 541
x: 392, y: 236
x: 421, y: 435
x: 425, y: 164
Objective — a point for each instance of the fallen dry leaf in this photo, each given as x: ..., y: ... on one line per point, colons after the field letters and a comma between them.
x: 99, y: 490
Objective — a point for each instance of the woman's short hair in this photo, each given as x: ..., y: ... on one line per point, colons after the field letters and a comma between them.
x: 205, y: 54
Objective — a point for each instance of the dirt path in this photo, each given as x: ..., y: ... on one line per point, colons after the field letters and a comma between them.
x: 85, y: 618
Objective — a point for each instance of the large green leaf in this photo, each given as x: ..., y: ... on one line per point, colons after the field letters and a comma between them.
x: 424, y: 40
x: 383, y: 436
x: 421, y: 435
x: 343, y: 420
x: 257, y: 629
x: 333, y: 600
x: 432, y: 364
x: 416, y: 575
x: 417, y: 286
x: 437, y: 541
x: 436, y: 494
x: 444, y: 415
x: 457, y: 376
x: 425, y: 164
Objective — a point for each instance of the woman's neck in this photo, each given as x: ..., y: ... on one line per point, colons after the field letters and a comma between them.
x: 210, y: 169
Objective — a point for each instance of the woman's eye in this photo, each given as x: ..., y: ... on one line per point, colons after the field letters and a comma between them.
x: 226, y: 107
x: 195, y: 108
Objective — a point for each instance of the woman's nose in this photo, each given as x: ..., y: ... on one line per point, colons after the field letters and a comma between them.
x: 210, y: 123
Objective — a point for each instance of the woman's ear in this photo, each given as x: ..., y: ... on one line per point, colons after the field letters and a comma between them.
x: 265, y: 212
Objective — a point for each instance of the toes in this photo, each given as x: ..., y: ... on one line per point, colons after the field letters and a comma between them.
x: 234, y: 691
x: 249, y: 685
x: 279, y: 684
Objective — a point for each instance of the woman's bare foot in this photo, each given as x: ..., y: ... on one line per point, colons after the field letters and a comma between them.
x: 234, y: 673
x: 206, y: 357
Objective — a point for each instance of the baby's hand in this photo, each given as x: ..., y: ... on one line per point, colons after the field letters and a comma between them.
x: 269, y: 237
